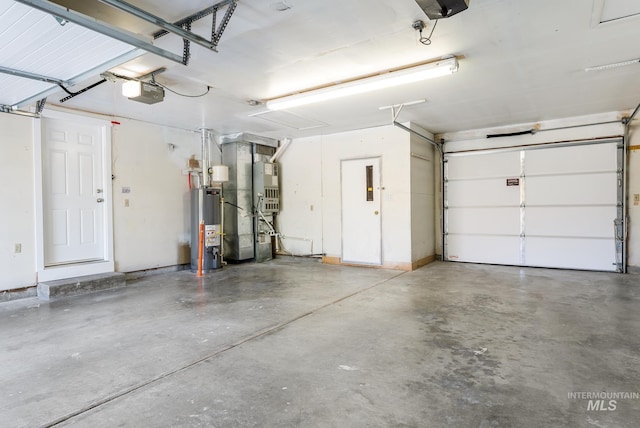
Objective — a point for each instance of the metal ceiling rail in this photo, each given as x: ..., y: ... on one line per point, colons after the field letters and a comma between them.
x: 134, y: 53
x: 11, y: 110
x: 100, y: 27
x: 32, y: 76
x: 156, y: 20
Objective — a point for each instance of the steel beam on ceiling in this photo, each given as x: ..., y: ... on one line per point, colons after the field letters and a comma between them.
x: 156, y: 20
x: 100, y: 27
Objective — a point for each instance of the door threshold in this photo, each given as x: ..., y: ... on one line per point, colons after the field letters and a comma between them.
x: 74, y: 263
x: 52, y: 273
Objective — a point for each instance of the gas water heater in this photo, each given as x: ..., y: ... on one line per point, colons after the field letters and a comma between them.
x: 212, y: 216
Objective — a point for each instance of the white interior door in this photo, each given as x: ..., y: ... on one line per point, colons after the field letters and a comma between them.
x: 73, y: 192
x: 361, y: 217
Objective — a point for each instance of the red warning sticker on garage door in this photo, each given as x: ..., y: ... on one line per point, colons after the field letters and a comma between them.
x: 513, y: 182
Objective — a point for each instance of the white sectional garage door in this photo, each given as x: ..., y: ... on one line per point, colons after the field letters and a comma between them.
x: 548, y: 206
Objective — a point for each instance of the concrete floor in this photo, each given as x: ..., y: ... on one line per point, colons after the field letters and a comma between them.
x: 300, y: 344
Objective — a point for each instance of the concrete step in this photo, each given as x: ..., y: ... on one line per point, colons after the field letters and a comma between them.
x: 81, y: 285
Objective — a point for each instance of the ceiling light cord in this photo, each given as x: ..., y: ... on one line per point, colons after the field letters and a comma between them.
x: 183, y: 95
x: 427, y: 40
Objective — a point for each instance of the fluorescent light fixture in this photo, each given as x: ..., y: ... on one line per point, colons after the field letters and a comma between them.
x: 132, y: 88
x: 613, y: 65
x: 368, y: 84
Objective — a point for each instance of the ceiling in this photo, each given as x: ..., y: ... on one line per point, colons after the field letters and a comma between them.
x: 519, y: 61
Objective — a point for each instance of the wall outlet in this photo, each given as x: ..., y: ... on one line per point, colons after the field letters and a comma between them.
x: 17, y: 248
x: 126, y: 203
x: 636, y: 199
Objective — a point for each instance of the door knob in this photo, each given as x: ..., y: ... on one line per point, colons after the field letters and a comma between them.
x: 99, y: 200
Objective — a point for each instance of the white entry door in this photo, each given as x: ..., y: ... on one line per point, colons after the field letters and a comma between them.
x: 361, y: 225
x: 73, y: 192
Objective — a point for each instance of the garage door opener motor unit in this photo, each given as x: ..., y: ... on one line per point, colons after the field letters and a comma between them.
x: 437, y: 9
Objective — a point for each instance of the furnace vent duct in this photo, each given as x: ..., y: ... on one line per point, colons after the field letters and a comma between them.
x: 437, y: 9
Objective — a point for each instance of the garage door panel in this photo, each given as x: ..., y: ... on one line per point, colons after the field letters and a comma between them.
x: 505, y: 164
x: 582, y: 189
x: 484, y: 249
x: 571, y: 253
x: 481, y: 193
x: 576, y: 159
x: 566, y: 204
x: 595, y: 222
x: 489, y: 221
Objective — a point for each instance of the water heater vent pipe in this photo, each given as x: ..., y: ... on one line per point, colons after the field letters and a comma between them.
x: 280, y: 150
x: 205, y: 157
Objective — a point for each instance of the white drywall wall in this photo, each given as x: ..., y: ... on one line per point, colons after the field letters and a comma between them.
x: 17, y: 213
x: 148, y: 159
x: 422, y: 195
x: 300, y: 218
x: 154, y: 230
x: 391, y: 144
x: 311, y: 169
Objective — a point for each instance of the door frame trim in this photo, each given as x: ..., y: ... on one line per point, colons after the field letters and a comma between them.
x: 381, y: 264
x: 45, y: 273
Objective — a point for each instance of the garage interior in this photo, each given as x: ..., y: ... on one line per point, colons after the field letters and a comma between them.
x: 339, y: 213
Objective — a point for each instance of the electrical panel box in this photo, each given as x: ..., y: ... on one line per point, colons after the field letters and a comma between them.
x: 266, y: 187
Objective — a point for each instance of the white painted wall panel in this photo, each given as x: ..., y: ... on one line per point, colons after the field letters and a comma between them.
x: 154, y: 230
x: 17, y: 216
x: 423, y: 220
x: 301, y: 208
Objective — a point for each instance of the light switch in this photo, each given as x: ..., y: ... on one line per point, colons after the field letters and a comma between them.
x: 126, y: 202
x: 636, y: 199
